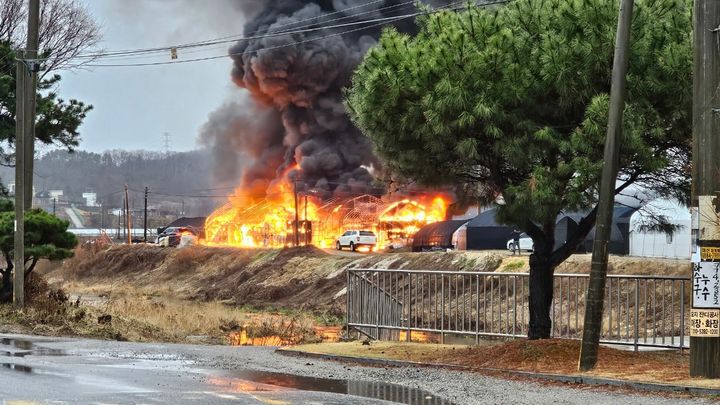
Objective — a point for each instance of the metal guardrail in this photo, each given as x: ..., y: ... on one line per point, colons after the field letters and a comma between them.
x: 405, y: 304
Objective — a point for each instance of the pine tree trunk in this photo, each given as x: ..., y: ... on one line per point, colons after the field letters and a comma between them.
x: 541, y: 296
x: 6, y: 292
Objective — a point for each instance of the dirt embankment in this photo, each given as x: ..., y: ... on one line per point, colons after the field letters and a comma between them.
x: 298, y: 278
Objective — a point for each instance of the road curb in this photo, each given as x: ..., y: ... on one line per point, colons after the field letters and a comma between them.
x: 575, y: 379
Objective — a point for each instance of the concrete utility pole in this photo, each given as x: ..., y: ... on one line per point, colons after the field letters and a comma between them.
x: 705, y: 342
x: 128, y: 223
x: 54, y: 203
x: 31, y: 55
x: 19, y: 253
x: 297, y: 217
x: 598, y: 270
x: 145, y: 216
x: 305, y: 222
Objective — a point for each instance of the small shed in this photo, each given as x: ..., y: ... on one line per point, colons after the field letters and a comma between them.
x: 442, y: 234
x: 645, y: 243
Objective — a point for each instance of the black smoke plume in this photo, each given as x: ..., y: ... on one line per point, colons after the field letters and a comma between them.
x: 295, y: 114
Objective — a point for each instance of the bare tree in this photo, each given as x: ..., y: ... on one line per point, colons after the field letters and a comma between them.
x: 67, y: 29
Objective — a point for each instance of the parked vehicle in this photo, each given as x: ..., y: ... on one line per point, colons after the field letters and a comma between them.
x: 172, y: 236
x: 356, y: 239
x: 526, y: 243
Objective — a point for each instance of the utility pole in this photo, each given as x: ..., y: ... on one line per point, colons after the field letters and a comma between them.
x: 145, y: 216
x: 127, y: 217
x: 54, y: 203
x: 31, y: 54
x: 598, y: 269
x: 305, y: 223
x: 19, y: 253
x: 297, y: 217
x: 705, y: 347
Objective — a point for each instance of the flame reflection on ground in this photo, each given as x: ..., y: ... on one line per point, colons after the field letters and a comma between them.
x: 248, y: 381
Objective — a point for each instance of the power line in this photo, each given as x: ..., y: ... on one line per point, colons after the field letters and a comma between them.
x: 383, y: 22
x: 254, y: 35
x: 377, y: 22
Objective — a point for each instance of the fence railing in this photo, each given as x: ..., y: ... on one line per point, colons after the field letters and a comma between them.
x: 424, y: 305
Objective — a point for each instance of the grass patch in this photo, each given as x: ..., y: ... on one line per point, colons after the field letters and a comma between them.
x: 514, y: 265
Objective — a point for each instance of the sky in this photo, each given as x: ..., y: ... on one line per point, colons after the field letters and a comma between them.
x: 135, y: 106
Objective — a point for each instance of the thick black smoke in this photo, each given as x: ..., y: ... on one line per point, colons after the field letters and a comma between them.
x: 296, y: 81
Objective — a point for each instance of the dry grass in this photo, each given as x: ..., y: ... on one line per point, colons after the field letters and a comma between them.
x: 50, y: 312
x: 177, y: 318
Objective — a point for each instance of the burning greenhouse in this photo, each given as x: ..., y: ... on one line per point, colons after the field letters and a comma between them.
x: 275, y: 221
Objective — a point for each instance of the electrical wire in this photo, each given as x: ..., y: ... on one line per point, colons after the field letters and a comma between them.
x: 254, y: 35
x: 376, y: 23
x: 383, y: 21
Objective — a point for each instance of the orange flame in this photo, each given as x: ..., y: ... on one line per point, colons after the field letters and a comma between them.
x: 268, y: 221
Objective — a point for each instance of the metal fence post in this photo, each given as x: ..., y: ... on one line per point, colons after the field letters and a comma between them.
x: 637, y: 313
x: 477, y: 309
x: 442, y: 309
x: 410, y: 307
x: 514, y: 304
x: 682, y: 315
x: 377, y: 306
x: 348, y: 309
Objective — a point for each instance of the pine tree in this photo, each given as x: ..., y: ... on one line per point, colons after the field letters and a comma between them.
x: 515, y: 98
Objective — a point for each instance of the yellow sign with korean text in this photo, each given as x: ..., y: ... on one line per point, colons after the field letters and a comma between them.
x: 705, y: 322
x: 709, y: 253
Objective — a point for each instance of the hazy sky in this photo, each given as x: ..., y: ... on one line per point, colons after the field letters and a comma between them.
x: 134, y: 106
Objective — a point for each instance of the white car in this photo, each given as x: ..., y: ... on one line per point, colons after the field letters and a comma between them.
x: 526, y: 243
x: 356, y: 239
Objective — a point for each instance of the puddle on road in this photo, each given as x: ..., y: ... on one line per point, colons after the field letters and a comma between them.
x: 243, y: 381
x: 26, y: 348
x: 17, y: 367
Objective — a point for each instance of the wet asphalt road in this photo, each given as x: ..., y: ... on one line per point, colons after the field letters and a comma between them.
x: 80, y: 371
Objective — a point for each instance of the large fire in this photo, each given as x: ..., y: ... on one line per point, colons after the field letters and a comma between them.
x: 270, y: 221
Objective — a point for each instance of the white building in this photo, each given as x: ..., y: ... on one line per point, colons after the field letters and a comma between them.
x: 90, y: 199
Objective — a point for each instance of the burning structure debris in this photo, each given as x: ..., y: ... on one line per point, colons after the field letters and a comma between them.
x: 295, y: 60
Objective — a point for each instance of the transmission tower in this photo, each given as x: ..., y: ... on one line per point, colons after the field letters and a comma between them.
x: 166, y: 142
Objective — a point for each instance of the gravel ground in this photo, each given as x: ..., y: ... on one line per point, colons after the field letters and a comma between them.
x: 459, y: 387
